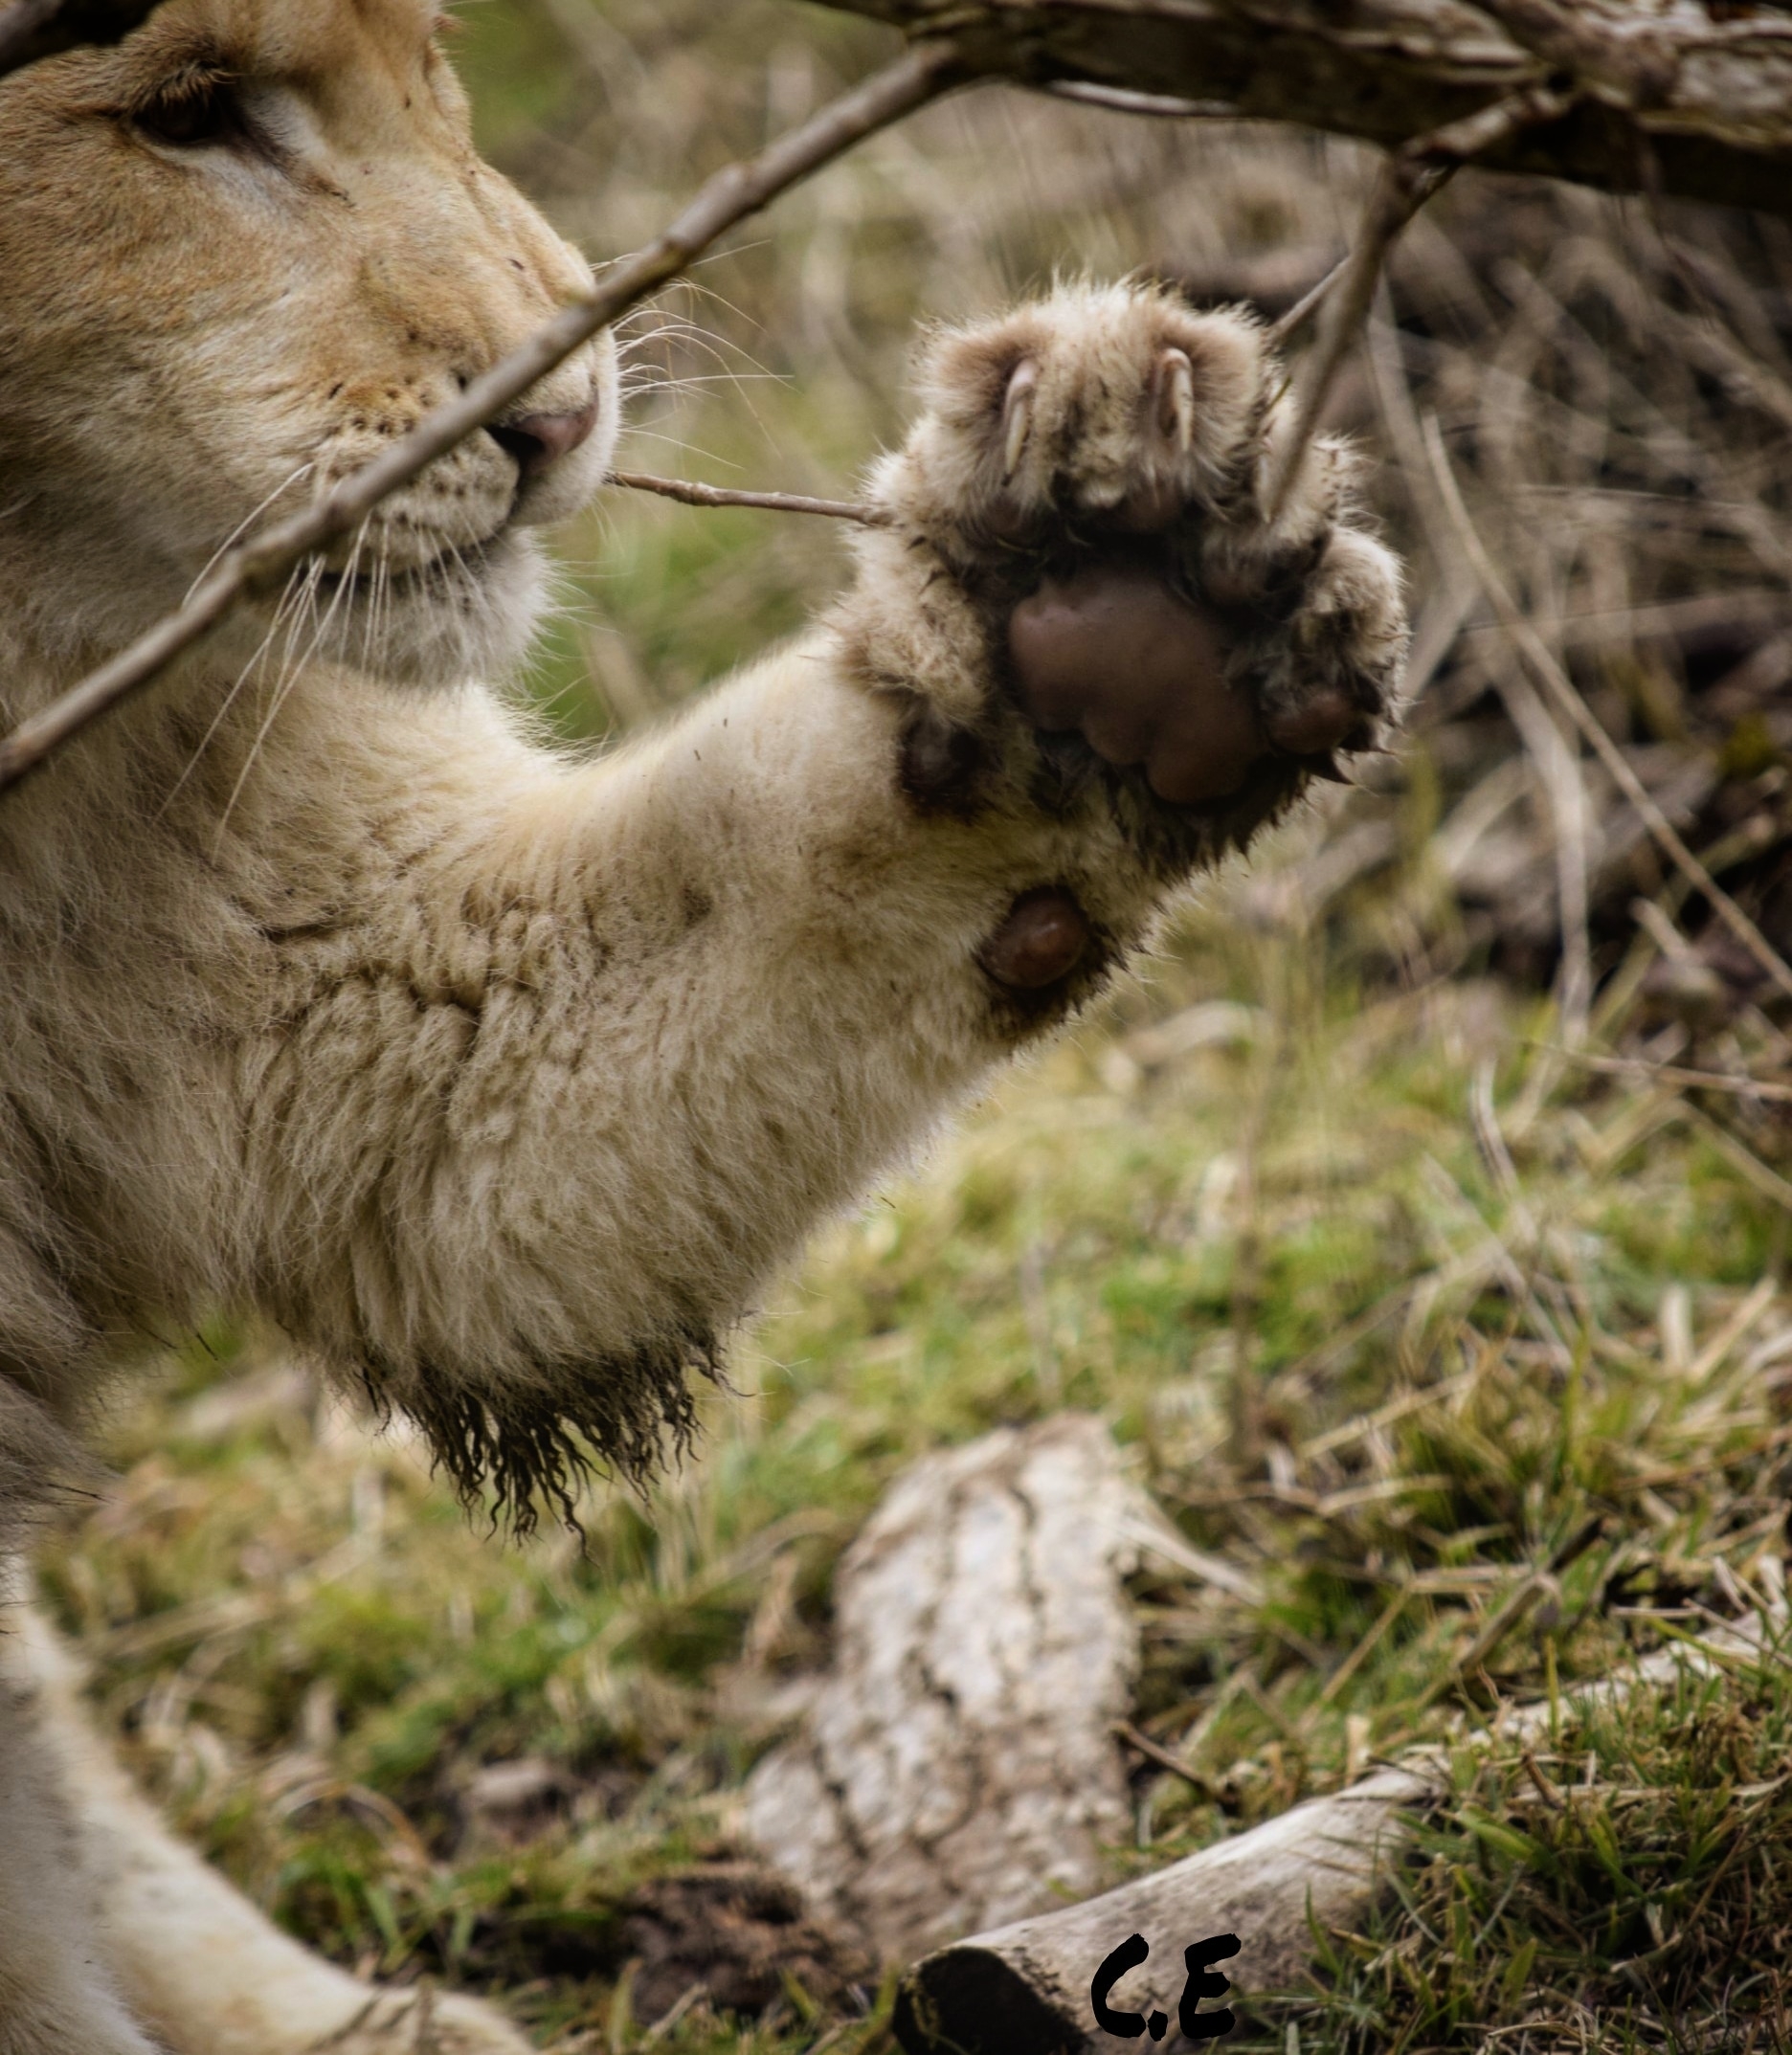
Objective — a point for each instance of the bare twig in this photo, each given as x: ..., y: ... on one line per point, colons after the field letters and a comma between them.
x: 34, y: 29
x: 777, y: 502
x: 1154, y: 1752
x: 1545, y: 1790
x: 262, y: 564
x: 1737, y: 1084
x: 1560, y: 689
x: 1124, y: 100
x: 1405, y: 182
x: 1308, y: 302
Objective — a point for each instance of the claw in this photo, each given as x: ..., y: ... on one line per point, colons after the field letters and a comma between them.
x: 1018, y: 414
x: 1173, y: 388
x: 1321, y: 723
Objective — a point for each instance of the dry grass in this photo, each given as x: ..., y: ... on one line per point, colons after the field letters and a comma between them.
x: 1397, y: 1306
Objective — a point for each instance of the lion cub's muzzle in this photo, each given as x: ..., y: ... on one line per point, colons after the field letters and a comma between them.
x: 537, y: 465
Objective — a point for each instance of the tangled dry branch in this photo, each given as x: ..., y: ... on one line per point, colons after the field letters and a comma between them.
x: 1409, y: 177
x: 1693, y: 97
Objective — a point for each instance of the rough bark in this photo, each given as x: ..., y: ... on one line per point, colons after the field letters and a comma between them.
x: 1692, y: 95
x: 958, y: 1768
x: 34, y: 29
x: 1025, y: 1988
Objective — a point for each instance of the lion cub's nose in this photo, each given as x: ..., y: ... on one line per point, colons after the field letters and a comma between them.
x: 533, y: 441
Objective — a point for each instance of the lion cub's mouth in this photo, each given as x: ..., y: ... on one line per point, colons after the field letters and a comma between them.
x: 445, y: 576
x: 468, y: 610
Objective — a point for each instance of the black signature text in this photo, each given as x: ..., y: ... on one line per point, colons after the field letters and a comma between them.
x: 1203, y: 1981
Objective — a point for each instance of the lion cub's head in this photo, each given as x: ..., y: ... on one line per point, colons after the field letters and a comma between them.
x: 240, y: 251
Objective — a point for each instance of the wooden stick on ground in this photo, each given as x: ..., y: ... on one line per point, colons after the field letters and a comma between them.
x: 263, y: 563
x: 1024, y: 1989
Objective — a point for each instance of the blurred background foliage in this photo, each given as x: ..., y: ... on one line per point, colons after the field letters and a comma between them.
x: 1390, y: 1298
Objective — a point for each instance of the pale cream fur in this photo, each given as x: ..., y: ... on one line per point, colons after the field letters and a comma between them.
x: 504, y: 1082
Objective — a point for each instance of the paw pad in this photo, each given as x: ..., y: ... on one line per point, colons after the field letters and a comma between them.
x: 1113, y: 654
x: 1043, y: 938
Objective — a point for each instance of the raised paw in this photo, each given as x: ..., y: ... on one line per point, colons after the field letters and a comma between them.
x: 1090, y: 470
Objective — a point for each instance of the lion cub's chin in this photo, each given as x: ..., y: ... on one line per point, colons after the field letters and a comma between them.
x: 470, y: 615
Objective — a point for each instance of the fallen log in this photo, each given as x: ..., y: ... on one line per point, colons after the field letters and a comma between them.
x: 957, y: 1768
x: 1693, y: 99
x: 1024, y: 1989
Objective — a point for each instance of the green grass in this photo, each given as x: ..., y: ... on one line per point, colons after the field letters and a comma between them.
x: 1620, y: 1884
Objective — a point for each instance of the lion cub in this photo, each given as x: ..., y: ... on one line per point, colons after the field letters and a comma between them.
x: 504, y: 1080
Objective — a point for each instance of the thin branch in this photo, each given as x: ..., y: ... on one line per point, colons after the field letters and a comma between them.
x: 1123, y: 99
x: 1407, y: 181
x: 1310, y: 302
x: 1737, y: 1085
x: 34, y: 29
x: 1152, y: 1751
x: 262, y: 564
x: 1560, y: 689
x: 777, y: 502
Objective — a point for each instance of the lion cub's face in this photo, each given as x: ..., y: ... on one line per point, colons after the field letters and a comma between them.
x: 241, y: 252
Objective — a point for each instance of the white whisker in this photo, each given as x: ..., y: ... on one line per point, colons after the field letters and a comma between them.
x: 305, y: 470
x: 691, y: 448
x: 374, y: 611
x: 290, y: 597
x: 292, y: 670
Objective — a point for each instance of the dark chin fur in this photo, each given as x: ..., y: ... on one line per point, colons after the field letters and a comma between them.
x: 518, y: 1448
x: 41, y: 1466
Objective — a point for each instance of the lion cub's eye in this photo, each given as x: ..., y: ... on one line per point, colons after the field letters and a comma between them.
x: 194, y: 113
